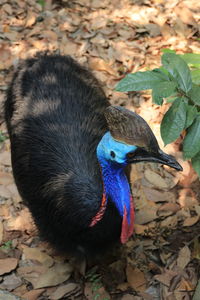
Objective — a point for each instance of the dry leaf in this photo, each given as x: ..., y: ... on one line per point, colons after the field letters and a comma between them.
x: 61, y: 291
x: 11, y: 282
x: 153, y: 29
x: 190, y: 221
x: 22, y: 222
x: 155, y: 179
x: 140, y: 229
x: 184, y: 257
x: 185, y: 286
x: 98, y: 23
x: 197, y: 209
x: 38, y: 255
x: 67, y: 47
x: 33, y: 294
x: 166, y: 277
x: 170, y: 222
x: 158, y: 196
x: 100, y: 65
x: 7, y: 8
x: 185, y: 15
x: 136, y: 278
x: 146, y: 215
x: 4, y: 192
x: 5, y: 158
x: 1, y: 232
x: 6, y: 178
x: 50, y: 35
x: 55, y: 275
x: 7, y: 265
x: 31, y: 19
x: 168, y: 208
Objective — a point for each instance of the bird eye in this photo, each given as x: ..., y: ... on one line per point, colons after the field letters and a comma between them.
x: 130, y: 154
x: 112, y: 154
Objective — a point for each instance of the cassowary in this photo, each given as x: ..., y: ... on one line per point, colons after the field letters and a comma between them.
x: 69, y: 149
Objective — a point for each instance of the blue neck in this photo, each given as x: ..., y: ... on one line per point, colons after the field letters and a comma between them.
x: 115, y: 181
x: 116, y: 186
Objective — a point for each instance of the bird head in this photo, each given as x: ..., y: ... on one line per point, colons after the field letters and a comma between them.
x: 131, y: 140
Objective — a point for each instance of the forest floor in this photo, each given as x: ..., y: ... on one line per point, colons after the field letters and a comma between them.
x: 113, y: 38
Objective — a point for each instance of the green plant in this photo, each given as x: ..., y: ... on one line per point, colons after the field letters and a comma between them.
x: 95, y: 279
x: 2, y: 137
x: 176, y: 81
x: 7, y: 246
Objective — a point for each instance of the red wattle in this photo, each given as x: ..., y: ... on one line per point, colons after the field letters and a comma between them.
x: 127, y: 229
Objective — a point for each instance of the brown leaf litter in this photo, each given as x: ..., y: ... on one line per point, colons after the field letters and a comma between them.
x: 161, y: 261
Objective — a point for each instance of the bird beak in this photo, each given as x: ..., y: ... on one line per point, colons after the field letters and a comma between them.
x: 160, y: 157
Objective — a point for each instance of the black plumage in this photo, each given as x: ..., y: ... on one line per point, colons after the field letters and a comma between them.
x: 54, y: 114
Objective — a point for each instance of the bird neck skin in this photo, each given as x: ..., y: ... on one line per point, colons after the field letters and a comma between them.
x: 116, y: 186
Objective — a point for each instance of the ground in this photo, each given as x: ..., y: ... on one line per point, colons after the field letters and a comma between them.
x: 113, y: 38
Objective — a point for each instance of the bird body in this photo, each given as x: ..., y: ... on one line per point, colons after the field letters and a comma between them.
x: 68, y: 160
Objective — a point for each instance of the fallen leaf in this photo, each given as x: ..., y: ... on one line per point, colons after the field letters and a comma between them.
x: 23, y: 222
x: 197, y: 209
x: 10, y: 282
x: 184, y: 285
x: 64, y: 290
x: 190, y: 221
x: 185, y: 15
x: 136, y: 278
x: 55, y: 275
x: 5, y: 158
x: 170, y: 222
x: 1, y: 232
x: 100, y: 65
x: 168, y: 208
x: 140, y: 229
x: 31, y: 19
x: 6, y: 178
x: 187, y: 198
x: 158, y: 196
x: 68, y: 47
x: 33, y: 294
x: 155, y: 179
x: 50, y: 35
x: 146, y: 215
x: 38, y: 255
x: 166, y: 277
x: 31, y: 273
x: 4, y: 192
x: 184, y: 257
x: 7, y: 8
x: 7, y: 265
x: 153, y: 29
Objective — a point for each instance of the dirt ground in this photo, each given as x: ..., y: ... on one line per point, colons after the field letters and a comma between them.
x: 113, y: 38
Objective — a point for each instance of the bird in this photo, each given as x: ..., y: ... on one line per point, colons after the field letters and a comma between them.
x: 69, y: 150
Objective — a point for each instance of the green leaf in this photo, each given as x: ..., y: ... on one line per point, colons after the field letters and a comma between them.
x: 163, y: 90
x: 191, y: 58
x: 140, y: 81
x: 2, y: 137
x: 174, y: 121
x: 171, y: 99
x: 194, y: 94
x: 191, y: 143
x: 191, y: 115
x: 162, y: 73
x: 167, y: 50
x: 178, y: 68
x: 196, y: 163
x: 195, y: 76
